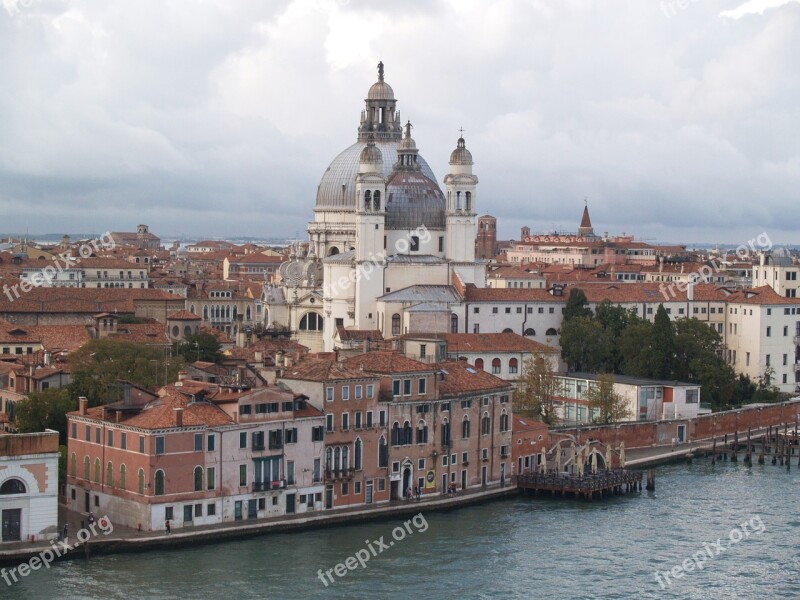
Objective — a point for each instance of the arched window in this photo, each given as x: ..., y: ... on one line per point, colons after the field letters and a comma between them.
x: 159, y: 483
x: 458, y: 200
x: 12, y: 486
x: 465, y: 427
x: 311, y: 322
x: 329, y: 459
x: 486, y: 424
x: 496, y: 366
x: 368, y: 201
x: 191, y: 309
x: 530, y: 331
x: 395, y: 434
x: 513, y: 365
x: 357, y: 454
x: 422, y: 432
x: 235, y: 312
x: 468, y: 196
x: 376, y: 200
x: 110, y: 474
x: 333, y: 251
x: 87, y: 468
x: 205, y: 313
x: 383, y: 453
x: 454, y: 323
x: 187, y: 331
x: 97, y: 470
x: 248, y: 314
x: 504, y: 421
x: 141, y: 481
x: 479, y: 364
x: 73, y: 465
x: 337, y: 457
x: 508, y: 330
x: 407, y: 435
x: 445, y: 432
x: 198, y: 479
x: 551, y: 331
x: 122, y: 473
x: 395, y: 324
x: 345, y: 457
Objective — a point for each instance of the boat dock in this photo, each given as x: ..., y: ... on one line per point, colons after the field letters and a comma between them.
x: 605, y: 483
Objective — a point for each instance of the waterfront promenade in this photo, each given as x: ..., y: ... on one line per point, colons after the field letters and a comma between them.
x: 124, y: 539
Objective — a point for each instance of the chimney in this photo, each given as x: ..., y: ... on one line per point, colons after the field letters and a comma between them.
x: 48, y: 359
x: 287, y: 361
x: 690, y: 291
x: 182, y: 375
x: 259, y: 356
x: 179, y: 417
x: 83, y: 403
x: 116, y: 416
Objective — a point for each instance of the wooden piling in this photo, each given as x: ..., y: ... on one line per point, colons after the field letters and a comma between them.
x: 651, y: 480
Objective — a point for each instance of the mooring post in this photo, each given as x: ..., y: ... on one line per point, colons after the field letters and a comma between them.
x: 748, y: 456
x: 735, y: 458
x: 651, y: 480
x: 714, y: 450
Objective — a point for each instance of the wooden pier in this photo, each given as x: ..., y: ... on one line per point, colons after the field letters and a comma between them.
x: 587, y: 486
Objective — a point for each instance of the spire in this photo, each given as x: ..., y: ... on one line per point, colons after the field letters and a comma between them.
x: 586, y: 223
x: 380, y: 71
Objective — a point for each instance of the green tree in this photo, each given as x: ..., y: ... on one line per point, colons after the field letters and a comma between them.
x: 613, y: 320
x: 200, y: 346
x: 662, y: 346
x: 581, y: 340
x: 538, y: 388
x: 45, y: 410
x: 634, y: 348
x: 577, y: 305
x: 99, y: 366
x: 698, y: 359
x: 606, y: 404
x: 766, y: 391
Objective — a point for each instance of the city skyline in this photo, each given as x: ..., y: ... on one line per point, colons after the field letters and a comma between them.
x: 226, y: 131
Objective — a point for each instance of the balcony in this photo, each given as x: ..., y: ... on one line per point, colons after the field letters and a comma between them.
x: 259, y: 447
x: 334, y: 474
x: 265, y: 486
x: 796, y: 338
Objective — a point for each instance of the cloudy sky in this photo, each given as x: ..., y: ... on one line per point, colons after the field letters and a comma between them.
x: 679, y: 120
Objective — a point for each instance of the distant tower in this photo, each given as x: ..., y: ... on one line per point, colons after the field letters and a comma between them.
x: 586, y: 229
x: 370, y: 203
x: 486, y: 242
x: 524, y: 233
x: 460, y: 212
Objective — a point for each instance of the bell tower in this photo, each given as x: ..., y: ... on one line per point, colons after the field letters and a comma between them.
x: 460, y: 211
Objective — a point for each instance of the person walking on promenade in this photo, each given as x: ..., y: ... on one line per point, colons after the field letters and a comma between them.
x: 166, y: 525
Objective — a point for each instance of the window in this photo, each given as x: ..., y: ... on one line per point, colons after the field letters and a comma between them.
x: 479, y: 364
x: 329, y: 422
x: 345, y: 392
x: 395, y: 324
x: 422, y: 385
x: 357, y: 420
x: 212, y: 442
x: 414, y: 243
x: 123, y: 441
x: 317, y: 434
x: 329, y: 394
x: 290, y: 472
x: 198, y: 479
x: 211, y: 509
x: 382, y: 418
x: 291, y: 435
x: 242, y: 475
x: 345, y: 488
x: 513, y: 365
x: 357, y: 454
x: 422, y: 433
x: 159, y: 482
x: 188, y: 511
x: 141, y: 481
x: 396, y: 387
x: 441, y: 243
x: 454, y: 323
x: 359, y: 392
x: 345, y: 421
x: 486, y: 424
x: 445, y: 433
x: 97, y: 434
x: 110, y: 474
x: 258, y: 440
x: 275, y: 439
x: 406, y: 387
x: 311, y: 322
x: 211, y: 478
x: 160, y: 444
x: 504, y: 422
x: 198, y: 442
x: 769, y: 331
x: 423, y: 350
x: 370, y: 390
x: 369, y: 419
x: 495, y: 366
x: 242, y: 440
x: 122, y: 473
x: 465, y: 428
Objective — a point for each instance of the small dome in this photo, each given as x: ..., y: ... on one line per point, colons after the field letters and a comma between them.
x: 408, y: 143
x: 461, y: 156
x: 380, y: 90
x: 371, y: 154
x: 413, y: 200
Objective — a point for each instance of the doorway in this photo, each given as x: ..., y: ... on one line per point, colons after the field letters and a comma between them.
x: 290, y: 499
x: 681, y: 433
x: 406, y: 481
x: 483, y: 475
x: 237, y: 510
x: 252, y: 508
x: 394, y: 494
x: 369, y: 493
x: 502, y: 474
x: 12, y: 529
x: 329, y: 497
x: 86, y: 502
x: 463, y: 479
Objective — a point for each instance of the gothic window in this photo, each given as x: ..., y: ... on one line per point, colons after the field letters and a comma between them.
x: 395, y: 324
x: 376, y: 200
x: 468, y: 197
x: 368, y: 201
x: 453, y: 323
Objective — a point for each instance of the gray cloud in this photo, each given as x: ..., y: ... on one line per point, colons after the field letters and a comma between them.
x: 220, y: 118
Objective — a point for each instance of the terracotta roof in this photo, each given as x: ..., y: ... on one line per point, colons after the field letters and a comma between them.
x: 461, y: 377
x: 323, y: 369
x: 387, y: 363
x: 520, y: 424
x: 492, y: 342
x: 182, y: 315
x: 82, y: 300
x: 760, y: 295
x: 616, y: 292
x: 151, y: 332
x: 358, y: 335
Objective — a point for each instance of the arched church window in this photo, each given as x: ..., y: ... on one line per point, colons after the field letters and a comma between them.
x: 458, y: 200
x: 468, y: 196
x: 376, y: 200
x: 395, y: 324
x: 311, y: 322
x: 368, y: 201
x: 453, y: 323
x: 551, y: 331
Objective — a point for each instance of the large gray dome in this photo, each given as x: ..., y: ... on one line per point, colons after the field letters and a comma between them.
x: 413, y: 200
x: 337, y: 189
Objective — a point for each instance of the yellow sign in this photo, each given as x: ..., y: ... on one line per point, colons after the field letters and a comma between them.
x: 430, y: 480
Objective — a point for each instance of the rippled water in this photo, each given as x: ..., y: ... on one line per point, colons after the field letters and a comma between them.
x: 516, y: 548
